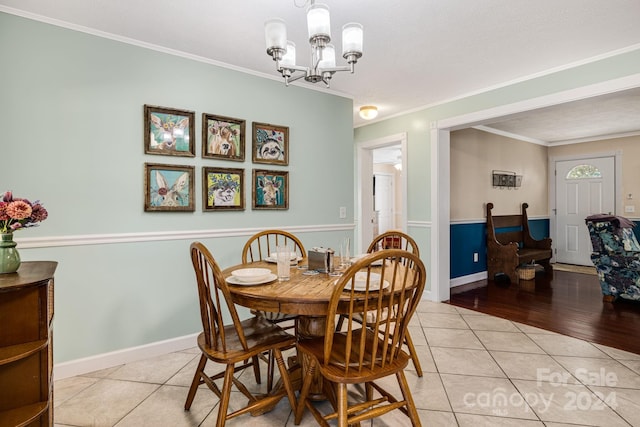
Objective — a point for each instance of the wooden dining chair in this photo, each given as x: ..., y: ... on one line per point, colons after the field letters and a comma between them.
x: 394, y: 239
x: 258, y: 247
x: 397, y: 240
x: 236, y: 345
x: 360, y: 354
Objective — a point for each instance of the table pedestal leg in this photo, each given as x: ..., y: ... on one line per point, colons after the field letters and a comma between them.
x: 312, y: 327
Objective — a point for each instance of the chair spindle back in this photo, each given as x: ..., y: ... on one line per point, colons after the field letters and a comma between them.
x: 214, y: 297
x: 387, y: 308
x: 394, y: 240
x: 261, y: 244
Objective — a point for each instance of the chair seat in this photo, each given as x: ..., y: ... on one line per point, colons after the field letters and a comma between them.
x: 334, y: 371
x: 260, y: 335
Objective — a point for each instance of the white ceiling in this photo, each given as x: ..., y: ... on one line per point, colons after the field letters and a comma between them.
x: 416, y: 52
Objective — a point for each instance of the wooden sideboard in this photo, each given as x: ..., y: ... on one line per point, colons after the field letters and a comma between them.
x: 26, y: 345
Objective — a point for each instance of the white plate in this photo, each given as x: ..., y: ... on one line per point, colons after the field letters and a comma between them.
x: 234, y: 280
x: 375, y: 263
x: 274, y: 261
x: 251, y: 275
x: 274, y: 255
x: 360, y: 284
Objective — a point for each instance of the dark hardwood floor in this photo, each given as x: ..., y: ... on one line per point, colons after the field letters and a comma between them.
x: 569, y: 303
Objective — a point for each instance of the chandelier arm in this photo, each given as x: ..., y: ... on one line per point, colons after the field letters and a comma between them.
x: 335, y: 69
x: 291, y: 68
x: 298, y: 77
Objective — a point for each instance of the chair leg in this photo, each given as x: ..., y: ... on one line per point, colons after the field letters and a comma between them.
x: 256, y: 369
x: 196, y: 382
x: 340, y: 323
x: 342, y: 405
x: 406, y: 394
x: 284, y: 374
x: 304, y: 392
x: 413, y: 353
x: 226, y: 395
x: 270, y: 369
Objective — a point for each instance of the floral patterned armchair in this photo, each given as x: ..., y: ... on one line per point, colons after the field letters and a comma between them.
x: 616, y: 255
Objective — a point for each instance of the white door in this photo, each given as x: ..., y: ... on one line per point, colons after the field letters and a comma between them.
x: 583, y: 187
x: 384, y: 201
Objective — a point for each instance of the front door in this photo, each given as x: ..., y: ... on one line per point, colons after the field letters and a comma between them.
x: 583, y: 187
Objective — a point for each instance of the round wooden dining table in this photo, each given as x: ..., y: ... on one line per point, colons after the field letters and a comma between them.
x: 304, y: 294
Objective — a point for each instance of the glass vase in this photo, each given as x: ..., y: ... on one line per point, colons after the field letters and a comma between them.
x: 9, y: 256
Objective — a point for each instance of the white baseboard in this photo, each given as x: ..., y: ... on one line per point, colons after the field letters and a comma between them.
x: 463, y: 280
x: 120, y: 357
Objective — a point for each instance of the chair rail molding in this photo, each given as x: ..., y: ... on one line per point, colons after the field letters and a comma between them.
x: 154, y: 236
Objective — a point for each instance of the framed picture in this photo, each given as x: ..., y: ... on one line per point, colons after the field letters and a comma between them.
x: 270, y: 189
x: 169, y: 132
x: 222, y: 137
x: 270, y: 144
x: 222, y: 189
x: 168, y: 187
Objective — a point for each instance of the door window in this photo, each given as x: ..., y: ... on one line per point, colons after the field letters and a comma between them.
x: 584, y: 172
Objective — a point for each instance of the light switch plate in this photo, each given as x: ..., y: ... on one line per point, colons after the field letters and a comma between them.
x: 630, y: 209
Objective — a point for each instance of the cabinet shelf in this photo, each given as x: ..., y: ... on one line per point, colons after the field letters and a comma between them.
x: 23, y: 415
x: 20, y: 351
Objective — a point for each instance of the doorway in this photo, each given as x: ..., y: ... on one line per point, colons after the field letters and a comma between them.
x: 380, y: 157
x: 439, y: 163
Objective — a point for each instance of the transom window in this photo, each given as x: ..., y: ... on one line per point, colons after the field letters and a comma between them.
x: 584, y: 172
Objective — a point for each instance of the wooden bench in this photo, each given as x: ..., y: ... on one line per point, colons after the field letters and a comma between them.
x: 509, y: 244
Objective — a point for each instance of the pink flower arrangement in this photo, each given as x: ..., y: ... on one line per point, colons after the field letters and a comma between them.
x: 19, y: 213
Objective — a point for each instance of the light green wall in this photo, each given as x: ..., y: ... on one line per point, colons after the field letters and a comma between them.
x: 72, y: 136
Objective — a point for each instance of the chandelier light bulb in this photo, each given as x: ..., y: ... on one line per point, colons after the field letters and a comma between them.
x: 275, y: 33
x: 319, y: 21
x: 328, y: 57
x: 289, y: 58
x: 352, y: 39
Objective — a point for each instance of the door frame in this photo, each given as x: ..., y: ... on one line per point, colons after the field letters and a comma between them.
x: 440, y: 277
x: 364, y: 184
x: 617, y: 181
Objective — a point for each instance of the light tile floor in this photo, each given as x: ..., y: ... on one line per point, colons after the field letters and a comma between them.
x: 479, y: 370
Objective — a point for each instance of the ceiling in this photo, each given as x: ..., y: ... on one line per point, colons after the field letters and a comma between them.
x: 416, y: 52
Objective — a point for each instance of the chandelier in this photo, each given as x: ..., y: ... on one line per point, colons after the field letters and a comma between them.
x: 323, y: 54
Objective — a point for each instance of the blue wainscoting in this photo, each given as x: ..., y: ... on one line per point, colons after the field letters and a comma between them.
x: 470, y: 238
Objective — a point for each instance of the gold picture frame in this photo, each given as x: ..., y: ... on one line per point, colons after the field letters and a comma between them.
x: 223, y: 138
x: 169, y: 131
x: 168, y: 188
x: 270, y: 144
x: 222, y: 189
